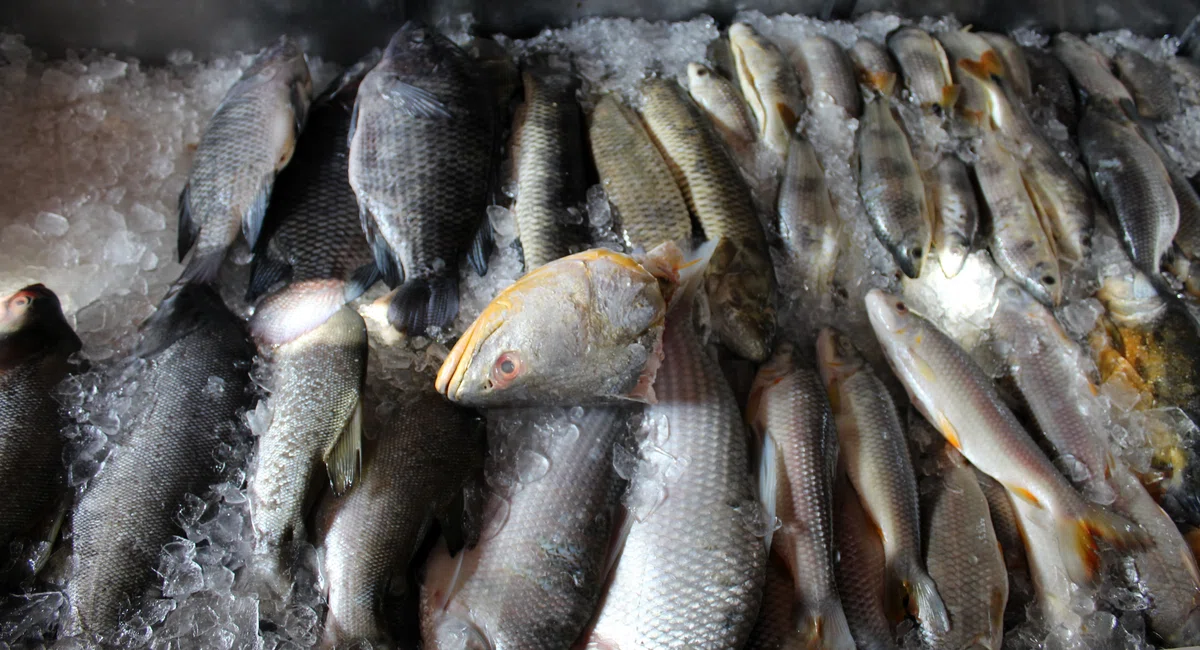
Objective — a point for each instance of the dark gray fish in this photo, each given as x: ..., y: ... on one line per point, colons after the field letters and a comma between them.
x: 1092, y: 72
x: 860, y: 571
x: 413, y: 467
x: 35, y: 343
x: 131, y: 508
x: 1150, y: 84
x: 808, y: 224
x: 1051, y: 80
x: 825, y: 68
x: 248, y: 140
x: 547, y: 153
x: 776, y: 628
x: 421, y: 149
x: 312, y: 237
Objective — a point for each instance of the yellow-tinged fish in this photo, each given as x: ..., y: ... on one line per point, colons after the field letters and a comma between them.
x: 960, y: 45
x: 875, y: 66
x: 925, y: 67
x: 770, y: 85
x: 1016, y: 69
x: 720, y: 98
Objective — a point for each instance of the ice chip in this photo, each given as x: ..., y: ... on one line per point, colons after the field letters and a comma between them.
x: 532, y: 466
x: 49, y: 224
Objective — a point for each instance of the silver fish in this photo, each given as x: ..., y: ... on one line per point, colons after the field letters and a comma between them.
x: 769, y: 84
x: 860, y: 571
x: 1150, y: 84
x: 957, y: 213
x: 965, y: 45
x: 1016, y: 70
x: 248, y: 140
x: 926, y: 69
x: 776, y: 627
x: 825, y: 68
x: 1092, y: 72
x: 875, y: 66
x: 808, y: 224
x: 719, y: 97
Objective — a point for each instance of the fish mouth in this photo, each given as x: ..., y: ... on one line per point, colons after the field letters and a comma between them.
x: 453, y: 372
x: 883, y: 311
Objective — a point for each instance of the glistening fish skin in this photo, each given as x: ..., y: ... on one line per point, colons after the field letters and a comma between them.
x: 316, y: 388
x: 724, y: 105
x: 860, y: 571
x: 415, y: 465
x: 312, y: 237
x: 1150, y: 84
x: 1092, y: 72
x: 769, y: 84
x: 876, y: 458
x: 955, y: 395
x: 534, y: 579
x: 248, y: 140
x: 649, y: 207
x: 776, y: 627
x: 35, y: 343
x: 705, y: 592
x: 131, y: 508
x: 825, y: 68
x: 808, y: 224
x: 925, y: 67
x: 420, y: 160
x: 957, y: 213
x: 798, y: 444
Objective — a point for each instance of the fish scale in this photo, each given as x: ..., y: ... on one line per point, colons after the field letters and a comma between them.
x: 860, y: 571
x: 825, y: 68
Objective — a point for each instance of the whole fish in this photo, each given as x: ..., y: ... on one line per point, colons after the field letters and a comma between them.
x: 315, y: 388
x: 769, y: 85
x: 875, y: 66
x: 808, y: 224
x: 860, y: 571
x: 775, y: 628
x: 420, y: 155
x: 1051, y: 81
x: 825, y: 68
x: 964, y: 559
x: 1016, y: 69
x: 1019, y: 242
x: 1150, y: 84
x: 1187, y: 236
x: 131, y: 508
x: 547, y: 152
x: 1092, y: 72
x: 412, y: 469
x: 965, y: 45
x: 704, y: 592
x: 35, y: 344
x: 925, y: 67
x: 720, y: 98
x: 649, y: 207
x: 957, y: 213
x: 596, y: 310
x: 741, y: 279
x: 798, y: 449
x: 312, y: 237
x: 954, y: 394
x: 248, y: 140
x: 535, y: 577
x: 1131, y: 179
x: 892, y: 191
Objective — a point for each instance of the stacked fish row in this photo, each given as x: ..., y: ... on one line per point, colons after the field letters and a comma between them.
x: 625, y: 504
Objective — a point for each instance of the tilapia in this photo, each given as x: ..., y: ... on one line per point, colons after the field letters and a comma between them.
x: 315, y: 386
x: 875, y: 66
x: 925, y: 67
x: 1051, y: 81
x: 421, y: 150
x: 808, y: 224
x: 860, y: 571
x: 964, y: 559
x: 131, y: 508
x: 705, y: 592
x: 825, y: 69
x: 956, y: 213
x: 649, y: 208
x: 1016, y: 70
x: 769, y: 84
x: 720, y: 98
x: 248, y: 140
x: 891, y: 188
x: 547, y: 153
x: 798, y: 451
x: 35, y: 346
x: 312, y: 238
x: 876, y: 458
x: 413, y: 468
x: 955, y: 395
x: 741, y: 279
x: 776, y: 627
x: 535, y: 577
x: 1092, y: 72
x: 1131, y: 179
x: 1149, y: 82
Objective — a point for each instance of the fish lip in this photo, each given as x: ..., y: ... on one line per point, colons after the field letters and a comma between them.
x: 879, y: 311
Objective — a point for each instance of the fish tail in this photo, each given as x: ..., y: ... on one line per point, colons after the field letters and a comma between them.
x: 924, y: 602
x: 883, y: 82
x: 202, y: 268
x: 1078, y: 540
x: 826, y: 627
x: 950, y: 94
x: 185, y: 308
x: 420, y: 304
x: 296, y: 310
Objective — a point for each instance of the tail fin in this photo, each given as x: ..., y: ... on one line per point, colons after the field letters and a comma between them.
x: 679, y: 276
x: 185, y: 308
x: 826, y: 627
x: 203, y: 268
x: 421, y: 304
x: 1077, y: 540
x: 924, y: 602
x: 950, y: 94
x: 296, y: 310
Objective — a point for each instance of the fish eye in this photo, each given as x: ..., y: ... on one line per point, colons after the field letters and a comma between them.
x: 702, y: 72
x: 917, y: 253
x: 21, y: 301
x: 901, y: 307
x: 1048, y: 280
x: 506, y: 369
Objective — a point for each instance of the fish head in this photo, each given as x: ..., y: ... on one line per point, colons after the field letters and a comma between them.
x: 417, y: 47
x: 32, y: 321
x: 699, y: 76
x: 770, y: 374
x: 283, y: 59
x: 759, y: 68
x: 1131, y: 300
x: 739, y: 284
x: 584, y: 328
x: 888, y: 314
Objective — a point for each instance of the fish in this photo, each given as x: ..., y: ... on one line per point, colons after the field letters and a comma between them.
x: 875, y: 66
x: 925, y: 67
x: 860, y: 571
x: 964, y: 558
x: 421, y: 152
x: 36, y: 345
x: 649, y: 207
x: 872, y: 443
x: 955, y: 395
x: 1016, y: 70
x: 1004, y: 523
x: 956, y: 213
x: 130, y: 509
x: 547, y: 153
x: 1149, y: 82
x: 741, y: 278
x: 311, y: 238
x: 1051, y: 81
x: 889, y: 182
x: 599, y: 310
x: 1019, y: 242
x: 1187, y: 235
x: 789, y: 414
x: 1135, y: 186
x: 535, y: 577
x: 965, y: 45
x: 825, y: 68
x: 1092, y: 72
x: 808, y: 224
x: 769, y: 84
x: 705, y: 592
x: 413, y: 467
x: 249, y: 139
x: 723, y: 103
x: 316, y: 384
x: 775, y: 628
